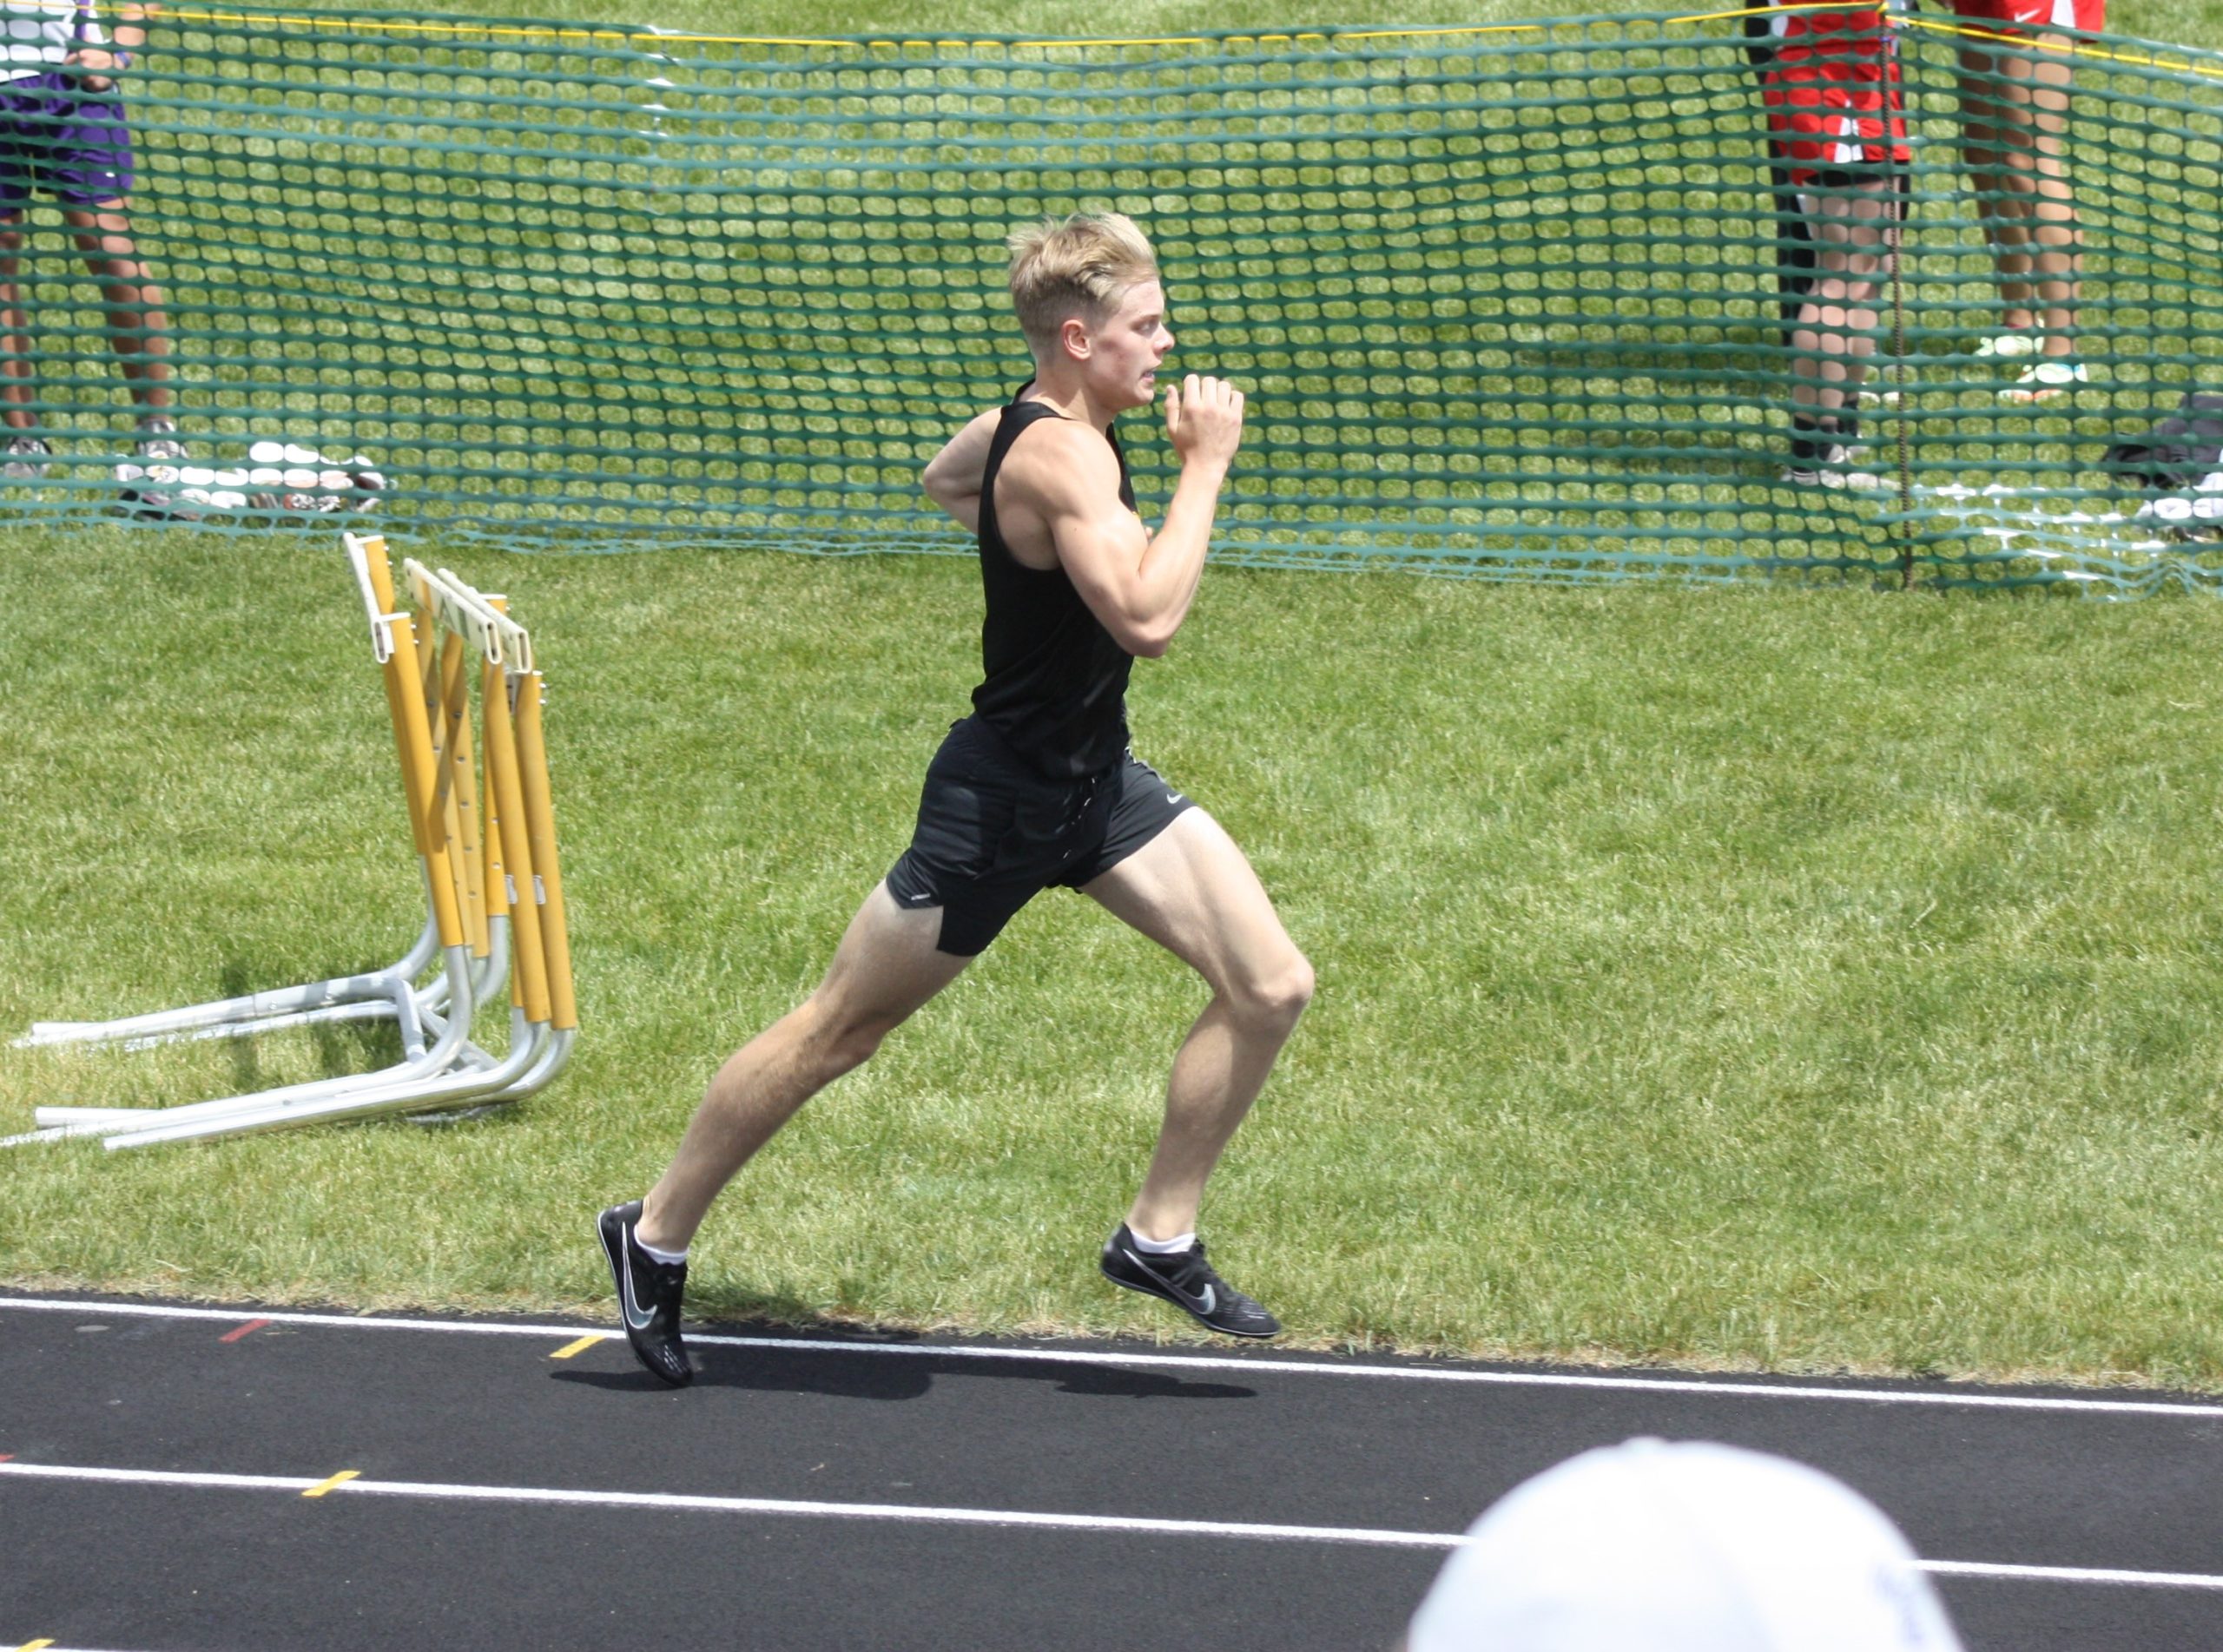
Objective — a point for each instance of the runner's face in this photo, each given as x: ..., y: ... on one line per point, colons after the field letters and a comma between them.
x: 1125, y: 351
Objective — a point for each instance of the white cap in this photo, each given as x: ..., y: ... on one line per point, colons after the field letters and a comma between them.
x: 1649, y: 1547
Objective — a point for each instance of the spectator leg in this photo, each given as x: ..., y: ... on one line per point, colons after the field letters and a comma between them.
x: 2015, y: 111
x: 136, y: 325
x: 1835, y: 332
x: 17, y: 387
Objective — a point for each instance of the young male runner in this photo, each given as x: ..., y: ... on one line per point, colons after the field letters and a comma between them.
x: 1037, y: 787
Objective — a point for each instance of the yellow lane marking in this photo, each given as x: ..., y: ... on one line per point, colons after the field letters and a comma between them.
x: 338, y: 1479
x: 33, y: 1646
x: 580, y: 1347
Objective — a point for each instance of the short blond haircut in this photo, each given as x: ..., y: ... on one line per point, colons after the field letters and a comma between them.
x: 1081, y: 266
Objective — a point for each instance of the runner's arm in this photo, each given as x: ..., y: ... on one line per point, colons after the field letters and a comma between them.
x: 953, y: 478
x: 1139, y: 585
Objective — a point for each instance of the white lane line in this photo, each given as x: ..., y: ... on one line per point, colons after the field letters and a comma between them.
x: 1723, y: 1389
x: 931, y: 1514
x: 897, y: 1511
x: 2071, y: 1574
x: 158, y: 1477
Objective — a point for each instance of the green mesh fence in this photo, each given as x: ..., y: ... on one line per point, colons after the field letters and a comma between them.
x: 1508, y: 302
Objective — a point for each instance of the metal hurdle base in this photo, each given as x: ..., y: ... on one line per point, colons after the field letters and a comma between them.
x: 462, y: 979
x: 389, y: 993
x: 494, y: 900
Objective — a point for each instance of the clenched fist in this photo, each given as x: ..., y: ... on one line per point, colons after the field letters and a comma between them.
x: 1204, y: 420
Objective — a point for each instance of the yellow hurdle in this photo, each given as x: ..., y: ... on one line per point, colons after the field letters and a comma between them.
x: 475, y: 787
x: 460, y: 781
x: 509, y: 699
x: 547, y: 880
x: 420, y: 769
x: 513, y: 836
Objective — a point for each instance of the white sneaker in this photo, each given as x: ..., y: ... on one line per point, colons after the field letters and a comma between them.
x: 1831, y: 468
x: 25, y: 458
x: 2024, y: 341
x: 158, y: 442
x: 2056, y: 376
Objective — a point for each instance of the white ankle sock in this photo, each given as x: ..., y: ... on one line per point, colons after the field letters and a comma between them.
x: 668, y: 1258
x: 1162, y: 1246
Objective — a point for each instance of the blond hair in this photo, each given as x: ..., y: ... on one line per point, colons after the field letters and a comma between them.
x: 1083, y: 265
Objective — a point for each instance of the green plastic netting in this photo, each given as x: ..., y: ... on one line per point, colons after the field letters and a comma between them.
x: 1506, y: 299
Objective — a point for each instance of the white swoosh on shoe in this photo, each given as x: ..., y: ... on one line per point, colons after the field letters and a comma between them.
x: 1194, y: 1304
x: 626, y: 1301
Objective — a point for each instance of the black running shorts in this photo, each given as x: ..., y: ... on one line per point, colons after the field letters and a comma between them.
x: 992, y: 833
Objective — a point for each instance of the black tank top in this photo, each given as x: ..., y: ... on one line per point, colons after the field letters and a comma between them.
x: 1055, y: 683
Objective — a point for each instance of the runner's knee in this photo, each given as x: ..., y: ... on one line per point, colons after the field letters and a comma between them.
x: 839, y: 1041
x: 842, y: 1049
x: 1273, y: 1001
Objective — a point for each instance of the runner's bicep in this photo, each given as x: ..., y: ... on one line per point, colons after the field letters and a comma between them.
x: 1102, y: 551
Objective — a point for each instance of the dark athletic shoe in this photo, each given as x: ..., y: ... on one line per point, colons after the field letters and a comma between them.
x: 647, y: 1296
x: 1186, y: 1281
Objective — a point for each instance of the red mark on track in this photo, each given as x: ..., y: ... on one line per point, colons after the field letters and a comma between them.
x: 7, y: 1456
x: 234, y: 1336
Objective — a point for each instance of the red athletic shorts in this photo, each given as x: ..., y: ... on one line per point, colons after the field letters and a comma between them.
x: 2090, y: 15
x: 1830, y: 82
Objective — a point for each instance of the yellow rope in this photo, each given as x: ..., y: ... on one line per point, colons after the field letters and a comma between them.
x: 2070, y: 48
x: 1420, y: 34
x: 2046, y: 41
x: 651, y: 36
x: 2040, y: 42
x: 1807, y: 5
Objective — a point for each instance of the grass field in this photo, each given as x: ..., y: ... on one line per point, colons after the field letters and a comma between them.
x: 1758, y: 977
x: 1750, y: 978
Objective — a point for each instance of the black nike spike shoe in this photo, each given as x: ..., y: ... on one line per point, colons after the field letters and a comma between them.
x: 1186, y: 1280
x: 647, y: 1296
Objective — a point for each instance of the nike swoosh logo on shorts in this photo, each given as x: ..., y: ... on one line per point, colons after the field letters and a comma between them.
x: 1194, y: 1304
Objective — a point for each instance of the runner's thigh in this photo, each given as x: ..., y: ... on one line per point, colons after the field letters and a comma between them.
x: 1193, y: 891
x: 888, y: 963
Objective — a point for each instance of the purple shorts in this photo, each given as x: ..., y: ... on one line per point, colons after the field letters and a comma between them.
x: 57, y: 137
